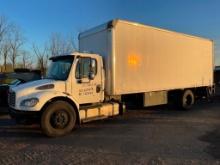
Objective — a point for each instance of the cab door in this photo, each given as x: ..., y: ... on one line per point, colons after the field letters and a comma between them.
x: 87, y: 80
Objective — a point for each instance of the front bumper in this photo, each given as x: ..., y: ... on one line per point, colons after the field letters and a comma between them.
x: 25, y: 115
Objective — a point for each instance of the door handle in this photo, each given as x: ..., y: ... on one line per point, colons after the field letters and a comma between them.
x: 84, y: 80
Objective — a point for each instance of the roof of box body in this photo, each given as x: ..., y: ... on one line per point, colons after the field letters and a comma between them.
x: 113, y: 23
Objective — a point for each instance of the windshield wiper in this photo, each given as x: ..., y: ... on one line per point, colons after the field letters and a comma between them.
x: 53, y: 78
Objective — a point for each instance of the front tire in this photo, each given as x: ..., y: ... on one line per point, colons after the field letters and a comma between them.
x: 58, y: 119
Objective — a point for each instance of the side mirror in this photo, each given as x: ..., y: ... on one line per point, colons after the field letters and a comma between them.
x: 91, y: 76
x: 93, y: 63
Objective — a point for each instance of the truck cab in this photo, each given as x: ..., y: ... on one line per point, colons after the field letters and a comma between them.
x: 71, y: 92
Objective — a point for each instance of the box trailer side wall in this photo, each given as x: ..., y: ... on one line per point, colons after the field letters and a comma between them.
x: 100, y: 42
x: 148, y: 59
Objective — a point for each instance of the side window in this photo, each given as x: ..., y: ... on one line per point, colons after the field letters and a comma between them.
x: 85, y: 66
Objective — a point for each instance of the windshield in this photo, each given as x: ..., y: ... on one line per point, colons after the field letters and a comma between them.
x: 59, y: 69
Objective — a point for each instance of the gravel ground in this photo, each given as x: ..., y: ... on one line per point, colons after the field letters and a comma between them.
x: 155, y: 136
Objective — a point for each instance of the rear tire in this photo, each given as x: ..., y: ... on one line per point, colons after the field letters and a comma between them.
x: 58, y: 119
x: 187, y: 99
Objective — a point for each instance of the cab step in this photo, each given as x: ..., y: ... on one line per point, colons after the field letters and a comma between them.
x: 106, y: 110
x: 94, y: 118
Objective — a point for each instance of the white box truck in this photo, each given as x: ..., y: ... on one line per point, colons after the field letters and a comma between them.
x: 118, y: 59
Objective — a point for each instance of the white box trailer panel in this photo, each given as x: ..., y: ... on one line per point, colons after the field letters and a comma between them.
x: 99, y: 40
x: 141, y: 58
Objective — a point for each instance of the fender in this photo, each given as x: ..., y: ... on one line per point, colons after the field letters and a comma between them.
x: 44, y: 97
x: 67, y: 99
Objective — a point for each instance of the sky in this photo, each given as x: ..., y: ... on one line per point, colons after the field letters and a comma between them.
x: 38, y: 19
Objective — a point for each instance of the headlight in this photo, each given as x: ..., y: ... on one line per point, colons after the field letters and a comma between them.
x: 29, y: 102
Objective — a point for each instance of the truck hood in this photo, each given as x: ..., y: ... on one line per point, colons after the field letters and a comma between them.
x: 31, y: 87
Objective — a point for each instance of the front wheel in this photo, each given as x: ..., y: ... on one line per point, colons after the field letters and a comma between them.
x: 58, y: 119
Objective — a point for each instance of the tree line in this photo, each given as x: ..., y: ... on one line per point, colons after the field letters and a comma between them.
x: 14, y: 54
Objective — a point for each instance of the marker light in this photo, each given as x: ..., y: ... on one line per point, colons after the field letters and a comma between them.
x: 133, y: 60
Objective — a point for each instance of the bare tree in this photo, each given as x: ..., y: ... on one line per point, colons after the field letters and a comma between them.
x: 11, y: 41
x: 5, y: 50
x: 58, y: 44
x: 4, y: 27
x: 42, y: 57
x: 16, y: 41
x: 26, y: 59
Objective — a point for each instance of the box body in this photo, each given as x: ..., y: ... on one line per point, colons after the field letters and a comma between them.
x: 140, y: 58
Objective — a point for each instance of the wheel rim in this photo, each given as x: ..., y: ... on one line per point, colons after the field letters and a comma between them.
x: 59, y: 119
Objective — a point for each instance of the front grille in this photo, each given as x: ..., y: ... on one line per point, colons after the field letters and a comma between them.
x: 11, y: 98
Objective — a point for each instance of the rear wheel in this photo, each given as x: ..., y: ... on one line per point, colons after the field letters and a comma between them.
x: 58, y: 119
x: 187, y: 99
